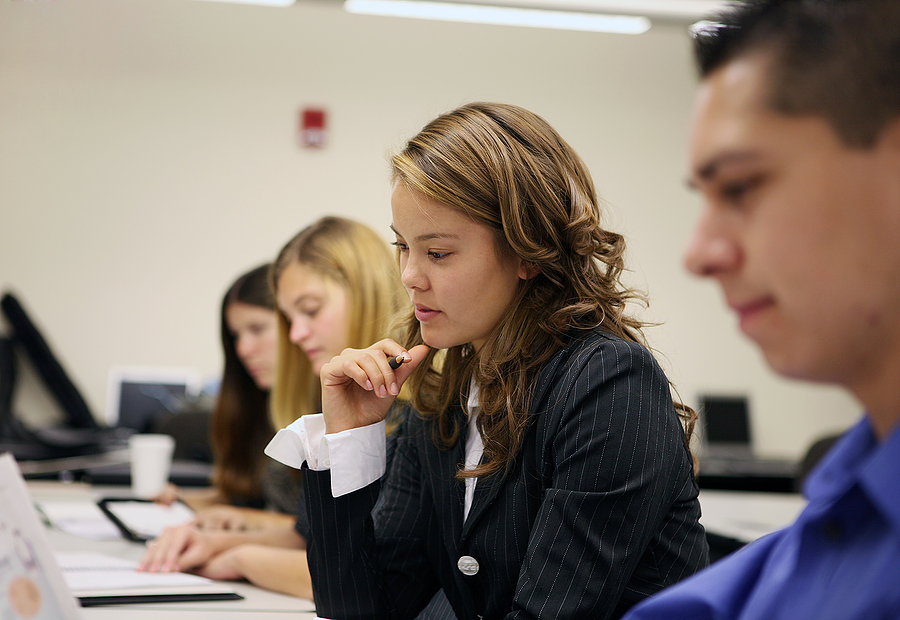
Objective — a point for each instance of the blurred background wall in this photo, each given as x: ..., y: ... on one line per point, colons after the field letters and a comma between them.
x: 149, y: 154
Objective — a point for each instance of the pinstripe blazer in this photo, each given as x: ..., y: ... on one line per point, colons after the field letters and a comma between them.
x: 598, y: 511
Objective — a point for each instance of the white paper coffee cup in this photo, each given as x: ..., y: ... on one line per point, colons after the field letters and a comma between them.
x: 151, y: 460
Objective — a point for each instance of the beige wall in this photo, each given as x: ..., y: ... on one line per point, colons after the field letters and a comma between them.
x: 148, y: 155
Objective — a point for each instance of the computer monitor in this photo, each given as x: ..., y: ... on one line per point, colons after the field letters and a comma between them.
x: 139, y: 396
x: 726, y: 426
x: 78, y: 433
x: 26, y: 334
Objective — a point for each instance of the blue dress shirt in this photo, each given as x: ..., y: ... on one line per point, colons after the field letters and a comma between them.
x: 840, y: 560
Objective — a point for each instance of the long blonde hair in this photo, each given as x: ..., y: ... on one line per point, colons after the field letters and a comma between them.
x: 508, y: 169
x: 354, y: 256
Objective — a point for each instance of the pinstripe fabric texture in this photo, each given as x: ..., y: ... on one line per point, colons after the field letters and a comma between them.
x: 599, y: 511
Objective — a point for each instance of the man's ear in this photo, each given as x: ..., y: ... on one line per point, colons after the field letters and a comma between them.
x: 889, y: 142
x: 890, y: 135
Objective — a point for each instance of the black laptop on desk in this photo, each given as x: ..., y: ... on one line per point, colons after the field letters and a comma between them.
x: 727, y: 460
x: 79, y: 444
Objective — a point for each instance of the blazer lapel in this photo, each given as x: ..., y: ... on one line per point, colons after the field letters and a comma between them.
x: 485, y: 492
x: 442, y: 466
x: 486, y: 489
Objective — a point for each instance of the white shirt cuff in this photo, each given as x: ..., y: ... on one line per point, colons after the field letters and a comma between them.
x: 356, y: 457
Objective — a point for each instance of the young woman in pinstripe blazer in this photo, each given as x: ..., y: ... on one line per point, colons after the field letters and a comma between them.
x: 547, y: 473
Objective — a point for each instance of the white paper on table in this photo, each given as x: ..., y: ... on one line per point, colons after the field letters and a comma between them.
x: 79, y: 517
x: 91, y: 571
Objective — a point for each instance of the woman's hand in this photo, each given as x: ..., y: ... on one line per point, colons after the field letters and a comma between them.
x: 168, y: 495
x: 267, y: 567
x: 221, y: 517
x: 178, y: 549
x: 226, y: 566
x: 359, y: 386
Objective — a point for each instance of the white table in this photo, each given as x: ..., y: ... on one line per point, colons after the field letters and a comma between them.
x: 747, y: 515
x: 257, y: 603
x: 742, y: 515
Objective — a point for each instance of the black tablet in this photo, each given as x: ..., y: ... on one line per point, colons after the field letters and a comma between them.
x: 142, y: 519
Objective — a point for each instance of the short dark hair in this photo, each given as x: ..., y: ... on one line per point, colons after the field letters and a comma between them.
x: 839, y: 59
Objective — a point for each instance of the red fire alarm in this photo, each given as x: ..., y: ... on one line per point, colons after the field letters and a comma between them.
x: 313, y: 130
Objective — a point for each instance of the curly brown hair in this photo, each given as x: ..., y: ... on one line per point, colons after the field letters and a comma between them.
x: 508, y: 169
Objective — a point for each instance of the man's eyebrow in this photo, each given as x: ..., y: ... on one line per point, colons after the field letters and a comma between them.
x: 429, y: 236
x: 710, y: 169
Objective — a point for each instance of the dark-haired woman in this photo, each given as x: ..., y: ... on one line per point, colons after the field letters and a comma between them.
x: 249, y: 491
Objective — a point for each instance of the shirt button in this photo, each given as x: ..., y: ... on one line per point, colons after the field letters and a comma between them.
x: 467, y: 565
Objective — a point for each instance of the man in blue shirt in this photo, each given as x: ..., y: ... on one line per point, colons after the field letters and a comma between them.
x: 796, y: 151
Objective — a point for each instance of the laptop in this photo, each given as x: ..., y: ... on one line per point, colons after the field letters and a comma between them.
x: 29, y: 575
x: 727, y: 445
x: 726, y: 427
x: 42, y: 585
x: 137, y: 396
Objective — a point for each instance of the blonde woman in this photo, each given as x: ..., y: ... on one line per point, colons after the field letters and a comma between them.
x: 336, y: 286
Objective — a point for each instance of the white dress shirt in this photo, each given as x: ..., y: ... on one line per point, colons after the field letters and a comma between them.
x: 356, y: 457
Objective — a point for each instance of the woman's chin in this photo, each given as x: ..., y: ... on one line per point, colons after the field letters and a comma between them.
x: 436, y: 341
x: 264, y: 383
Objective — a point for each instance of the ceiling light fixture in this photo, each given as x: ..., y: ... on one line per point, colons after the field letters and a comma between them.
x: 679, y: 10
x: 503, y: 15
x: 280, y: 3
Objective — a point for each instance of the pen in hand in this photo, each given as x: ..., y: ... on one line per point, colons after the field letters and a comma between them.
x: 396, y: 361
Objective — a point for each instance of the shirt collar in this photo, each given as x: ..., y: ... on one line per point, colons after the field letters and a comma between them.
x: 859, y: 458
x: 879, y: 477
x: 473, y: 404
